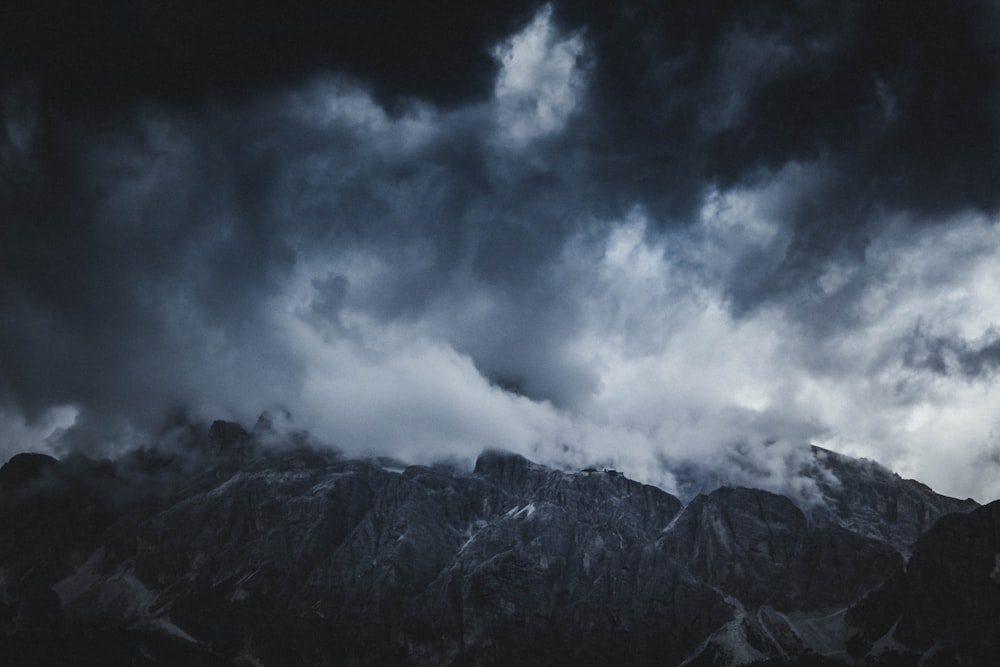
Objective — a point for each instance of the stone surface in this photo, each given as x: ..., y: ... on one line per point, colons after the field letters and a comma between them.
x: 945, y: 608
x: 871, y: 500
x: 244, y: 554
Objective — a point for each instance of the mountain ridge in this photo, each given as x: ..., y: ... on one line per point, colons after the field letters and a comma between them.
x: 254, y: 555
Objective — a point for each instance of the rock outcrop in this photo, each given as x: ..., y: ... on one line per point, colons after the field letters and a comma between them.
x: 871, y: 500
x: 945, y: 608
x: 295, y: 555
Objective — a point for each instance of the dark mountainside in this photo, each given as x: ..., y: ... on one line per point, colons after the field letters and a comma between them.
x: 224, y: 551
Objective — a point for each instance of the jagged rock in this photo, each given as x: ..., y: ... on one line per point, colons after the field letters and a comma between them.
x: 295, y: 555
x: 760, y: 548
x: 226, y: 436
x: 869, y: 499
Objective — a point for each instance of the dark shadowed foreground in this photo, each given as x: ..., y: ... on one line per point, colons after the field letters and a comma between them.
x: 222, y: 551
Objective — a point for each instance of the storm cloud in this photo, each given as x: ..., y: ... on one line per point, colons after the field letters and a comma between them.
x: 632, y: 236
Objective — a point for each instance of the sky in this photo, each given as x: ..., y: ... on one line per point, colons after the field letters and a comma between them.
x: 649, y: 236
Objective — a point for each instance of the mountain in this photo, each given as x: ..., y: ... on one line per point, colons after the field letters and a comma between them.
x: 945, y: 607
x: 229, y: 552
x: 857, y: 494
x: 869, y: 499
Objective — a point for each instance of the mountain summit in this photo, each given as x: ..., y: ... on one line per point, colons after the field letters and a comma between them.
x: 235, y: 553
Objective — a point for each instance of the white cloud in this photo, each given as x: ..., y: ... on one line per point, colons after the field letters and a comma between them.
x: 677, y: 376
x: 541, y: 81
x: 943, y: 280
x: 338, y: 105
x: 19, y: 435
x: 680, y: 379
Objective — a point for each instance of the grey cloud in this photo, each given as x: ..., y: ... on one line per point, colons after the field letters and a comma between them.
x: 131, y: 262
x: 330, y: 294
x: 348, y: 228
x: 981, y: 361
x: 176, y: 228
x: 699, y: 114
x: 953, y: 355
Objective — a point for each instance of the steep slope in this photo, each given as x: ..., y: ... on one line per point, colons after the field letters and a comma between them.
x: 787, y: 580
x: 945, y: 608
x: 229, y: 552
x: 761, y: 548
x: 869, y: 499
x: 301, y: 556
x: 859, y: 495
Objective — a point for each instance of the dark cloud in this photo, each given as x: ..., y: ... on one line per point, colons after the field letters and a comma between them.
x: 671, y: 226
x: 953, y: 355
x: 131, y: 246
x: 898, y: 98
x: 879, y: 86
x: 330, y: 294
x: 115, y: 53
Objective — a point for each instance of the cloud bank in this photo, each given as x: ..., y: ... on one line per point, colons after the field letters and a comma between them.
x: 632, y: 237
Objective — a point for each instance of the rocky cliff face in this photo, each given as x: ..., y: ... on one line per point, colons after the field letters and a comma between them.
x: 868, y: 499
x: 238, y: 554
x: 945, y: 608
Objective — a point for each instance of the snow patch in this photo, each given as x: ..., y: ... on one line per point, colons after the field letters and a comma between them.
x: 472, y: 531
x: 526, y: 511
x: 522, y: 512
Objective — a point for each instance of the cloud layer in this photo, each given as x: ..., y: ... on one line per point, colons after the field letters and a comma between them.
x: 638, y: 238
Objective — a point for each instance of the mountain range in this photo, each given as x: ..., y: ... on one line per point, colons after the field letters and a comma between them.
x: 223, y: 550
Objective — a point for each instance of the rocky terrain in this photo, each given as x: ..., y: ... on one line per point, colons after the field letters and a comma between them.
x: 223, y: 551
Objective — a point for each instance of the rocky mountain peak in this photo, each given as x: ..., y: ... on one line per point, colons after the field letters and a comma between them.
x: 869, y: 499
x: 22, y: 469
x: 498, y: 464
x: 224, y: 435
x: 296, y: 555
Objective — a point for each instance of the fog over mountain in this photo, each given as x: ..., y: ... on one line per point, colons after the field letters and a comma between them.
x: 674, y: 238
